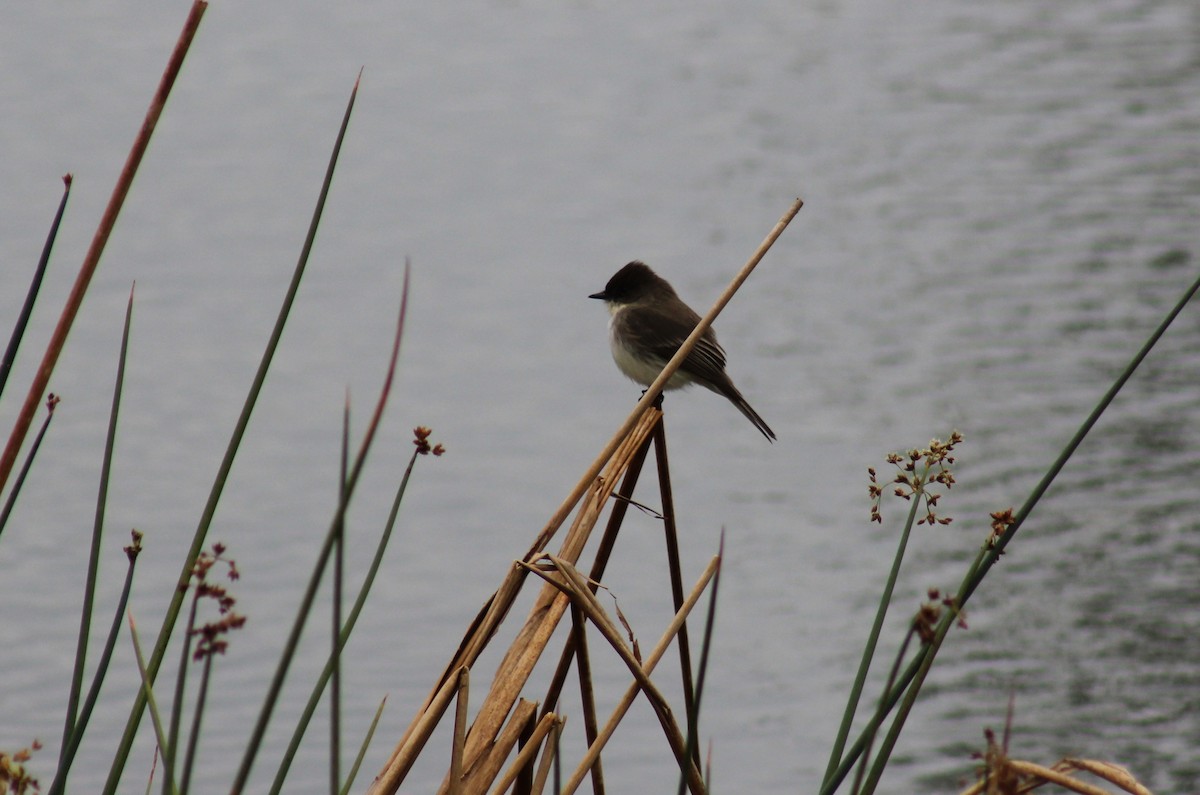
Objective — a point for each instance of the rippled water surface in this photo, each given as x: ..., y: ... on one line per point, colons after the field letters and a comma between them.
x: 1002, y: 202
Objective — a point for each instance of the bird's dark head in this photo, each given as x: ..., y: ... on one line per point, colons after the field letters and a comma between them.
x: 632, y: 283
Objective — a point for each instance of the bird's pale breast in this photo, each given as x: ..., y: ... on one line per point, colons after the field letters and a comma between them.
x: 641, y: 369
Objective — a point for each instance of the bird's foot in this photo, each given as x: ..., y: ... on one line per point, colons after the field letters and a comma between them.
x: 658, y: 401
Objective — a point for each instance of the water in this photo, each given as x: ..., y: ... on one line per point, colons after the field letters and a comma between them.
x: 1002, y: 202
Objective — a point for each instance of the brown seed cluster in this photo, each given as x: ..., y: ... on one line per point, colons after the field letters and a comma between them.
x: 135, y: 546
x: 421, y: 440
x: 14, y: 778
x: 213, y: 634
x: 917, y: 472
x: 1001, y: 520
x: 926, y: 620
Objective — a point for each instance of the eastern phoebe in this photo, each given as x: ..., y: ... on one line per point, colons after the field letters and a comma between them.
x: 649, y: 322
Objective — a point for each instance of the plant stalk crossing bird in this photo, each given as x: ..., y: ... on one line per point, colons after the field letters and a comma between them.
x: 648, y: 324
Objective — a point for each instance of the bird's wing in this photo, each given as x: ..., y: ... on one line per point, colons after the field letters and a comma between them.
x: 706, y: 360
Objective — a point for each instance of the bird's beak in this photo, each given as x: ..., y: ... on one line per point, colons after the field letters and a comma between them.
x: 603, y: 296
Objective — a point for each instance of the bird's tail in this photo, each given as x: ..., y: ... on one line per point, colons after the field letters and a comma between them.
x: 752, y: 415
x: 725, y: 387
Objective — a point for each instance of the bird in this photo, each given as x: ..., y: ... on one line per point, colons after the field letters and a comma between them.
x: 649, y: 321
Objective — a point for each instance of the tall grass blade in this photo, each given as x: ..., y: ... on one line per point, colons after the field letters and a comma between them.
x: 89, y: 587
x: 909, y: 683
x: 864, y: 665
x: 218, y: 487
x: 339, y: 563
x: 85, y: 712
x: 153, y: 768
x: 989, y: 560
x: 362, y: 749
x: 197, y: 717
x: 347, y: 628
x: 11, y: 501
x: 881, y: 711
x: 14, y: 342
x: 91, y: 260
x: 310, y: 593
x: 976, y: 574
x: 148, y: 689
x: 185, y: 656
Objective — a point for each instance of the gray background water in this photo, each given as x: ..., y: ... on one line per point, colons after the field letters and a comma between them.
x: 1002, y: 202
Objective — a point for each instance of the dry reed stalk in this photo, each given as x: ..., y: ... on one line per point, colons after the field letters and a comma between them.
x: 514, y: 671
x: 528, y: 752
x: 524, y: 777
x: 523, y: 654
x: 1115, y: 774
x: 478, y: 777
x: 647, y: 667
x: 615, y: 519
x: 662, y: 461
x: 587, y: 695
x: 91, y: 259
x: 403, y: 758
x: 548, y: 757
x: 1021, y: 777
x: 1043, y: 775
x: 574, y: 584
x: 460, y: 731
x: 549, y: 606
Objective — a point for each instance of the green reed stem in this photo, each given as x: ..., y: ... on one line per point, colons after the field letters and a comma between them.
x: 91, y: 260
x: 335, y: 688
x: 231, y: 450
x: 362, y: 749
x: 110, y: 643
x: 11, y: 501
x: 197, y: 717
x: 18, y: 333
x: 89, y: 587
x: 868, y: 655
x: 881, y: 710
x: 310, y: 593
x: 347, y: 628
x: 185, y: 655
x: 148, y: 689
x: 910, y: 682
